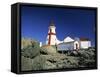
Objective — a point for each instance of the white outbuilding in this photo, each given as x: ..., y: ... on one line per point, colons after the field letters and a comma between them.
x: 74, y: 44
x: 85, y: 43
x: 67, y: 44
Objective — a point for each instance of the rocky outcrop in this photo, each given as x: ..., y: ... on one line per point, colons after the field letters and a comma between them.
x: 56, y: 61
x: 35, y: 58
x: 59, y: 61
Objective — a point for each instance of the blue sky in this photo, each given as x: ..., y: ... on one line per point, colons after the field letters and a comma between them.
x: 69, y: 22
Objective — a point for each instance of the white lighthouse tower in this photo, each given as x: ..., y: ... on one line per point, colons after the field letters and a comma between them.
x: 51, y: 38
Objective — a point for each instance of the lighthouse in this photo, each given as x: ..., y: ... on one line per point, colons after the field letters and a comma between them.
x: 51, y: 37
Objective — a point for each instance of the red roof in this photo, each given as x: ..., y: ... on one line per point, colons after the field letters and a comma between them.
x: 84, y: 39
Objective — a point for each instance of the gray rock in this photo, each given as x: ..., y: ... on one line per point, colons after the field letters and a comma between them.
x: 48, y: 50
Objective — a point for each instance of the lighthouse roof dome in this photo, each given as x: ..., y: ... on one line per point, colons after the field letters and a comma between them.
x: 52, y: 26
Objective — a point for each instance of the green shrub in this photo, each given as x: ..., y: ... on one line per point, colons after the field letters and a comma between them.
x: 38, y: 62
x: 26, y: 42
x: 26, y: 64
x: 32, y: 50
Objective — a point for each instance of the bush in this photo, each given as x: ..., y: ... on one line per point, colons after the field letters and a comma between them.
x: 25, y: 42
x: 26, y: 64
x: 87, y: 57
x: 32, y: 50
x: 38, y: 62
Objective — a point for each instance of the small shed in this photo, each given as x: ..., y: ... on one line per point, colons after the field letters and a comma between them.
x: 85, y: 43
x: 65, y: 46
x: 68, y: 44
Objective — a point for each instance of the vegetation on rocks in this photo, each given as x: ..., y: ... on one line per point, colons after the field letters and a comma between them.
x: 31, y: 50
x: 46, y: 57
x: 26, y: 63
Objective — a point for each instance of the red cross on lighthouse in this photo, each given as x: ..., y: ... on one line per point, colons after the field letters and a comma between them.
x: 51, y: 34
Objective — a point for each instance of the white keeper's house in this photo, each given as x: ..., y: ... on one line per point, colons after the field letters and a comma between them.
x: 68, y: 43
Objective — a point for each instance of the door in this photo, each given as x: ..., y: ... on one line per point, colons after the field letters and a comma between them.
x: 76, y: 46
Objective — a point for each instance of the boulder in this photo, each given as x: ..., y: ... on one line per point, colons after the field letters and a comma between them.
x: 48, y: 50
